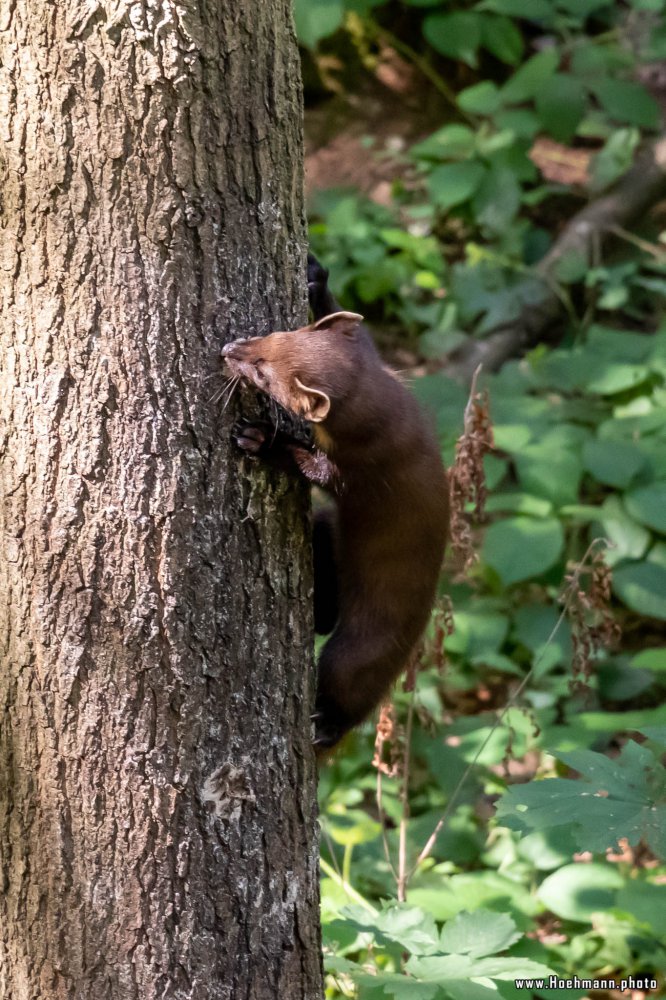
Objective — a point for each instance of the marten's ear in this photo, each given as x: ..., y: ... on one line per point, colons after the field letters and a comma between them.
x: 345, y: 323
x: 314, y: 404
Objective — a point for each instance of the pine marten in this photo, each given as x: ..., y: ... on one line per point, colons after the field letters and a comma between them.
x: 377, y: 558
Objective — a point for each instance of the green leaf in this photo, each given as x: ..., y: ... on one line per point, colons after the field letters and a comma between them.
x: 614, y: 463
x: 477, y: 633
x: 615, y: 158
x: 408, y: 926
x: 481, y: 99
x: 479, y: 934
x: 628, y: 539
x: 522, y: 547
x: 497, y: 199
x: 454, y: 183
x: 452, y: 142
x: 577, y: 891
x: 648, y: 505
x: 550, y: 470
x: 352, y: 827
x: 560, y: 104
x: 519, y: 503
x: 444, y: 895
x: 315, y: 21
x: 440, y: 968
x: 535, y: 10
x: 650, y: 659
x: 456, y: 35
x: 645, y: 902
x: 500, y: 36
x: 572, y: 266
x: 583, y: 8
x: 626, y: 101
x: 642, y: 587
x: 616, y: 377
x: 527, y: 81
x: 534, y: 625
x: 615, y: 798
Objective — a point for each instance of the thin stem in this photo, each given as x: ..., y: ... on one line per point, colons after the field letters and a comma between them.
x: 346, y: 863
x: 570, y: 594
x: 403, y: 874
x: 349, y: 889
x: 644, y: 245
x: 382, y: 821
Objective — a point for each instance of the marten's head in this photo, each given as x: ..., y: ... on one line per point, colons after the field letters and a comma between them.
x: 307, y: 371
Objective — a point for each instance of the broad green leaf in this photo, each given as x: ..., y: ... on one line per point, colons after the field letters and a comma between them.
x: 572, y: 267
x: 477, y: 632
x: 642, y: 587
x: 352, y: 827
x: 560, y: 104
x: 456, y: 35
x: 521, y: 121
x: 617, y: 377
x: 627, y: 101
x: 501, y: 36
x: 440, y: 968
x: 615, y: 158
x: 497, y: 199
x: 614, y: 798
x: 454, y: 183
x: 650, y: 659
x: 444, y: 895
x: 452, y: 142
x: 646, y: 902
x: 548, y: 849
x: 648, y: 505
x: 535, y: 10
x: 479, y: 934
x: 614, y: 463
x: 527, y: 81
x: 577, y: 891
x: 315, y: 21
x: 408, y: 926
x: 550, y: 471
x: 481, y: 99
x: 521, y: 547
x: 535, y: 625
x: 629, y: 540
x: 519, y: 503
x: 583, y: 8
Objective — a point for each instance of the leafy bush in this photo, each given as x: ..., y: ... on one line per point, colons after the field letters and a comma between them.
x: 565, y: 875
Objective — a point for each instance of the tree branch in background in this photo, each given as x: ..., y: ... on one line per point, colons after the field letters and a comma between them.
x: 627, y: 202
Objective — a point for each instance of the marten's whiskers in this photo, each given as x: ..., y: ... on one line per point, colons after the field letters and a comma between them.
x: 226, y: 390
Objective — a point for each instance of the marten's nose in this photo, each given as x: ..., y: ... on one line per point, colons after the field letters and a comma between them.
x: 228, y: 349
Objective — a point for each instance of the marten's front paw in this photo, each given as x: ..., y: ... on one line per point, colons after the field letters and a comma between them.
x: 251, y: 438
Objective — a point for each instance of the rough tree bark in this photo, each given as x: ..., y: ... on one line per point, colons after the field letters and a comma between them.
x: 157, y: 825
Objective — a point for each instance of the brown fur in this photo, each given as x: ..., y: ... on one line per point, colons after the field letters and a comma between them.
x: 381, y: 462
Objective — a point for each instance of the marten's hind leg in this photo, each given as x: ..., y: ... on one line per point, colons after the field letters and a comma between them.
x: 354, y: 671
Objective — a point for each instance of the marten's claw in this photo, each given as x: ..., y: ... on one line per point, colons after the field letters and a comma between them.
x: 326, y: 737
x: 249, y: 437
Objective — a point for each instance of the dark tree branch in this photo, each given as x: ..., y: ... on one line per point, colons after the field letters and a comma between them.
x: 629, y: 199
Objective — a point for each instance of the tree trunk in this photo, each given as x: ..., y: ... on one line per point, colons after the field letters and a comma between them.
x: 157, y: 786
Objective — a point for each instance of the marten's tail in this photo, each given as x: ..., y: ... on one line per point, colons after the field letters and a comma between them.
x: 354, y: 672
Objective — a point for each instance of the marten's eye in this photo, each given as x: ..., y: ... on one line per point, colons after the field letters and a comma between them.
x: 259, y: 371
